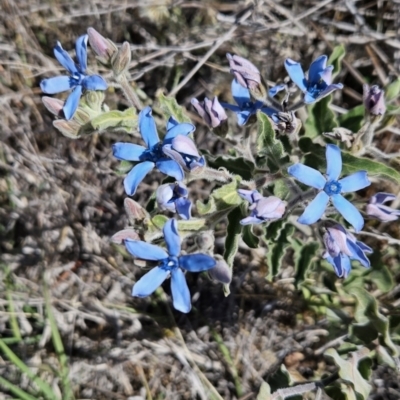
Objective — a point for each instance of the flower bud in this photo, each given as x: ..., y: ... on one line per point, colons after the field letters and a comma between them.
x: 55, y: 106
x: 205, y: 241
x: 374, y: 100
x: 377, y: 209
x: 121, y: 61
x: 70, y: 129
x: 262, y: 209
x: 121, y: 236
x: 105, y: 49
x: 134, y: 211
x: 221, y: 272
x: 212, y: 112
x: 173, y: 197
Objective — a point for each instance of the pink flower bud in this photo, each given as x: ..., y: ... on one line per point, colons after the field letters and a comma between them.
x: 211, y: 111
x: 104, y: 48
x: 246, y: 73
x: 55, y: 106
x: 374, y: 100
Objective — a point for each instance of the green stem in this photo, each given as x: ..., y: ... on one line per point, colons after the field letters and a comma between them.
x: 128, y: 91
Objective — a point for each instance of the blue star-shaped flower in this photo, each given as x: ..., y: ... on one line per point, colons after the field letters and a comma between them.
x: 245, y: 108
x: 78, y: 79
x: 152, y: 155
x: 341, y: 248
x: 331, y: 188
x: 174, y: 197
x: 319, y: 83
x: 170, y: 264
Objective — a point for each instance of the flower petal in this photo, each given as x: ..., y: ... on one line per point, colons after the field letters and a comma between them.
x: 240, y: 94
x: 94, y: 82
x: 65, y: 59
x: 328, y: 90
x: 336, y: 263
x: 296, y: 74
x: 333, y: 161
x: 268, y: 110
x: 348, y: 211
x: 307, y: 175
x: 145, y: 251
x: 310, y: 98
x: 57, y: 84
x: 172, y: 238
x: 128, y: 151
x: 231, y: 107
x: 315, y: 209
x: 243, y: 117
x: 358, y: 254
x: 149, y: 282
x: 382, y: 197
x: 326, y: 75
x: 72, y: 102
x: 147, y: 127
x: 196, y: 262
x: 251, y: 221
x: 316, y: 67
x: 183, y: 208
x: 171, y: 123
x: 180, y: 291
x: 170, y: 168
x: 352, y: 183
x: 276, y: 89
x: 249, y: 195
x: 180, y: 129
x: 136, y: 175
x: 81, y: 52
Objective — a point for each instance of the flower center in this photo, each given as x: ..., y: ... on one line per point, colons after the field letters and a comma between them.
x: 169, y: 264
x: 153, y: 154
x: 332, y: 187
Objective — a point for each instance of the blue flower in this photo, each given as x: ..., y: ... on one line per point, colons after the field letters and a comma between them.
x: 319, y: 83
x: 170, y: 264
x: 377, y: 209
x: 78, y: 79
x: 341, y: 248
x: 245, y: 107
x: 331, y: 188
x: 262, y: 209
x: 153, y: 154
x: 174, y: 197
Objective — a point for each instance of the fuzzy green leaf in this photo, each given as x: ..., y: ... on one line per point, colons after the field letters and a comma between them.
x: 227, y: 196
x: 265, y: 132
x: 379, y: 273
x: 348, y: 371
x: 116, y: 120
x: 304, y: 256
x: 239, y: 166
x: 249, y: 237
x: 264, y: 392
x: 336, y: 58
x: 320, y: 118
x: 206, y: 208
x: 353, y: 119
x: 193, y: 224
x: 171, y: 108
x: 392, y: 90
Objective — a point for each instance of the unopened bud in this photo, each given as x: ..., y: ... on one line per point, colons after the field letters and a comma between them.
x: 121, y: 61
x: 174, y: 197
x: 134, y: 211
x: 221, y: 272
x: 54, y: 105
x: 121, y: 236
x: 286, y: 122
x: 94, y: 99
x: 377, y: 209
x: 374, y: 100
x: 105, y: 49
x: 70, y: 129
x: 205, y: 241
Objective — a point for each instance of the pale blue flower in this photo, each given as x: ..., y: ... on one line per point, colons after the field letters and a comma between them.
x: 152, y: 155
x: 331, y: 188
x: 377, y: 209
x: 245, y: 107
x: 171, y: 264
x: 78, y: 79
x: 341, y: 248
x: 319, y: 83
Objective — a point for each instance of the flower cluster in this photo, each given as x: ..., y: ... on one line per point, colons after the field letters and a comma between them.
x: 176, y: 156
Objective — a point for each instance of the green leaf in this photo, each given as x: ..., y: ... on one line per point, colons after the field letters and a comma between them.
x: 238, y: 166
x: 281, y: 189
x: 16, y: 390
x: 392, y: 90
x: 379, y: 273
x: 124, y: 167
x: 274, y: 229
x: 369, y: 319
x: 116, y: 120
x: 227, y: 196
x: 249, y: 238
x: 193, y: 224
x: 233, y: 234
x: 348, y: 370
x: 171, y: 108
x: 276, y: 251
x: 206, y: 208
x: 353, y: 119
x: 159, y: 221
x: 336, y: 58
x: 264, y: 392
x: 320, y: 118
x: 304, y: 256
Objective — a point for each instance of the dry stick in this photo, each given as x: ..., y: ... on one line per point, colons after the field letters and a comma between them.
x: 217, y: 44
